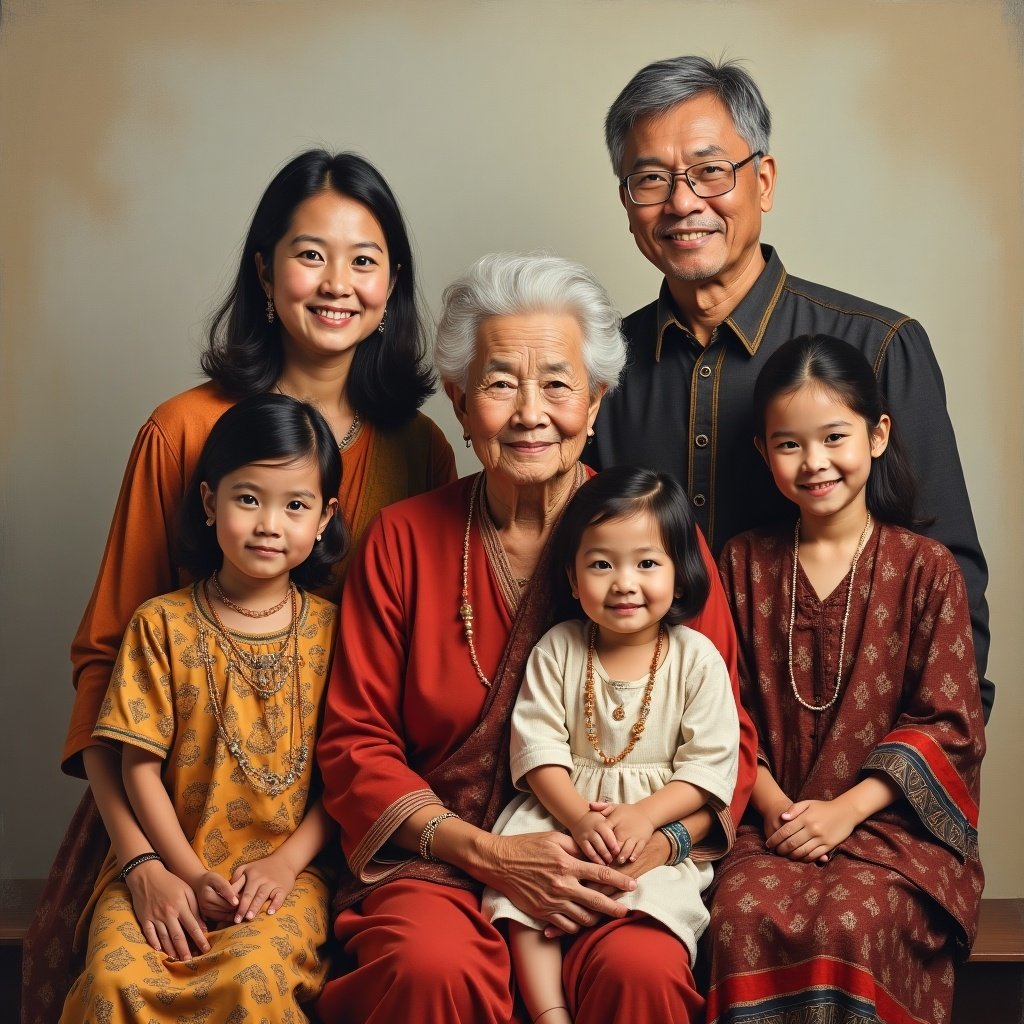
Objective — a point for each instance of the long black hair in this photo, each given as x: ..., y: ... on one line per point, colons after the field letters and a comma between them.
x: 389, y: 378
x: 842, y: 371
x: 261, y: 428
x: 619, y: 493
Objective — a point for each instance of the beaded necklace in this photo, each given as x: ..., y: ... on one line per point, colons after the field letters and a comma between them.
x: 252, y: 613
x: 637, y: 729
x: 350, y: 434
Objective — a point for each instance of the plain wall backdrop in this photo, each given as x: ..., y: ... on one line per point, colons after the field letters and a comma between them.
x: 137, y: 137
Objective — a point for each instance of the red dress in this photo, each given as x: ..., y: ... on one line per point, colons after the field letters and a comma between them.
x: 402, y: 700
x: 872, y: 934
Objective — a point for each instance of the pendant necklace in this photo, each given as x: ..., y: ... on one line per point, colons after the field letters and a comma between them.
x: 262, y: 778
x: 637, y: 729
x: 818, y: 708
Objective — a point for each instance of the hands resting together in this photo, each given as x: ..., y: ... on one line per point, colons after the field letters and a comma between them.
x: 174, y: 914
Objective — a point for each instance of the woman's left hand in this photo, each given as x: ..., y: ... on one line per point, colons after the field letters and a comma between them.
x: 268, y: 879
x: 812, y: 829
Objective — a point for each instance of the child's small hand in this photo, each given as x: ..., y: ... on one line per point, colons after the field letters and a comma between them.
x: 167, y: 911
x: 812, y: 829
x: 632, y: 829
x: 595, y: 837
x: 773, y: 819
x: 216, y: 896
x: 269, y: 879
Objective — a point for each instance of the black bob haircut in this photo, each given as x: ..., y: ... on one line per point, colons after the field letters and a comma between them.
x: 843, y: 372
x: 621, y: 492
x: 259, y: 429
x: 390, y: 376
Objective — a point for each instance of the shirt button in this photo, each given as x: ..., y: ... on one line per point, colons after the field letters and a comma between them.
x: 699, y: 500
x: 701, y: 440
x: 705, y: 371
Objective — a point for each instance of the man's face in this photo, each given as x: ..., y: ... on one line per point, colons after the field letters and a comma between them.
x: 690, y: 239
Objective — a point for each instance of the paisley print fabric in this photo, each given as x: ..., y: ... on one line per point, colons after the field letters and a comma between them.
x: 873, y: 934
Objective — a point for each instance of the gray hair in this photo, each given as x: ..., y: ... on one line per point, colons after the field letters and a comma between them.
x: 514, y: 283
x: 658, y: 87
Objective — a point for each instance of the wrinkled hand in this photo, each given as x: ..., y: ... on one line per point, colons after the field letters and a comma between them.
x: 268, y: 880
x: 632, y: 829
x: 595, y: 837
x: 216, y: 896
x: 167, y: 911
x: 812, y: 829
x: 544, y: 876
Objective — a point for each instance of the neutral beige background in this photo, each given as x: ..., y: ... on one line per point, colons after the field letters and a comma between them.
x: 136, y: 138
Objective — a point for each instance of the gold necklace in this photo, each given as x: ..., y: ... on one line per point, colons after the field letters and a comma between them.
x: 509, y: 583
x: 252, y: 613
x: 465, y: 608
x: 262, y: 778
x: 818, y: 708
x: 269, y: 671
x: 637, y: 729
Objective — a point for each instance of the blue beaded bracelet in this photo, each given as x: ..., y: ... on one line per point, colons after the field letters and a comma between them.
x: 678, y: 840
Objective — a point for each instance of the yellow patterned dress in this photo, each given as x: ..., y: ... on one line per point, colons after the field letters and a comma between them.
x: 160, y: 699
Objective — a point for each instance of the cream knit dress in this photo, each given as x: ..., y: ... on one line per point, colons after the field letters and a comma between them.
x: 692, y: 735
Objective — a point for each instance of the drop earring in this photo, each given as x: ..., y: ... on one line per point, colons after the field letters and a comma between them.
x: 270, y: 310
x: 383, y: 321
x: 465, y: 437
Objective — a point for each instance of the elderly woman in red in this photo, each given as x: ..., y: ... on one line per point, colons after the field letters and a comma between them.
x: 443, y: 604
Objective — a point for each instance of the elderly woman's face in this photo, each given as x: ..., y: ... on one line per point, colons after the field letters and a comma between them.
x: 527, y: 406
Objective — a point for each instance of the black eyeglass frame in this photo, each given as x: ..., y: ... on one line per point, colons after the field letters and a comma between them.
x: 685, y: 175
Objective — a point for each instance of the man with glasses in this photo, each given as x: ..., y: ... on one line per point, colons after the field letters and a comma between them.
x: 689, y: 143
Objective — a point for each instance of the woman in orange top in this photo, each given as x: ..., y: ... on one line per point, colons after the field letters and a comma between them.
x: 322, y: 308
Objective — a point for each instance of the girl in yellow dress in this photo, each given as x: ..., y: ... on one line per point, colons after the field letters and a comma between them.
x: 214, y: 703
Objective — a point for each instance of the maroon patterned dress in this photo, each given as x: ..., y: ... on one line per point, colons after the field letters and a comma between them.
x: 873, y: 934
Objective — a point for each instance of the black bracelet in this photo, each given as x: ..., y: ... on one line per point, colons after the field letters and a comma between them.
x: 136, y: 861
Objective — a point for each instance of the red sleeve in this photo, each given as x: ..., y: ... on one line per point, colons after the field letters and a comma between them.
x: 369, y: 787
x: 716, y: 623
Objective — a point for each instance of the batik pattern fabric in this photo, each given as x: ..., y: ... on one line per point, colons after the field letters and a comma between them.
x: 873, y: 934
x: 159, y: 700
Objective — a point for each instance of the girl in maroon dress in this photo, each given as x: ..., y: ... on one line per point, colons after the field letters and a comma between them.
x: 854, y: 883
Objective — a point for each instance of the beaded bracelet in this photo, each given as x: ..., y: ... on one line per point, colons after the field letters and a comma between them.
x: 679, y: 842
x: 427, y: 835
x: 136, y: 861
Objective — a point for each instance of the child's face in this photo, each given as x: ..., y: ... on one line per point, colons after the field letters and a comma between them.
x: 624, y: 577
x: 267, y: 516
x: 819, y: 451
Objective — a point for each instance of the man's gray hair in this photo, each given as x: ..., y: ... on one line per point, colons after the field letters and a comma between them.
x: 658, y: 87
x: 517, y: 283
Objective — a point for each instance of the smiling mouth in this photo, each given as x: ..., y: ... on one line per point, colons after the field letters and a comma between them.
x: 333, y: 314
x: 687, y: 236
x: 821, y: 487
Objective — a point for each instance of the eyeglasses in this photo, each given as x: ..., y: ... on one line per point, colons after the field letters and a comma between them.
x: 707, y: 179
